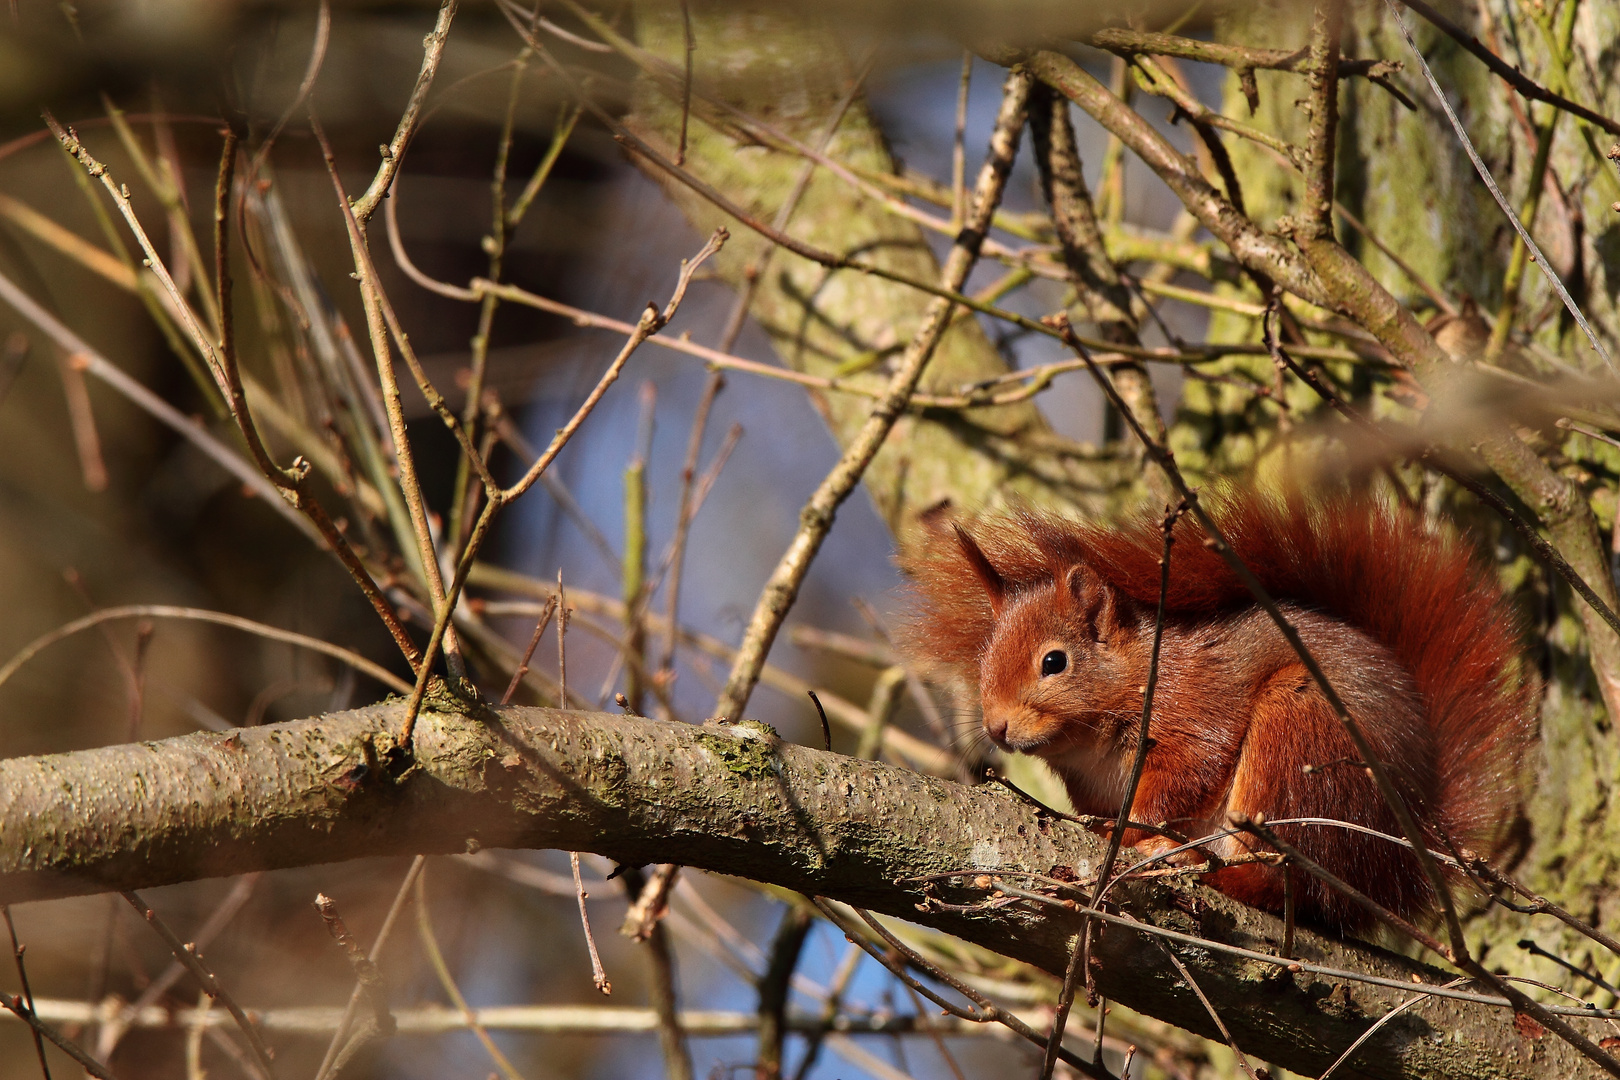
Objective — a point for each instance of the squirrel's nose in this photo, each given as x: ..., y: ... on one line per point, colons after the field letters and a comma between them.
x: 995, y: 726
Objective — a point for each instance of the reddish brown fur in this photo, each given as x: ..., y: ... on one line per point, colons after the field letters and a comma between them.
x: 1411, y: 630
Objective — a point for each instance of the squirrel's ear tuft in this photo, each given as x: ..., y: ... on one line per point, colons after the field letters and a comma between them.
x: 1085, y: 583
x: 1101, y: 607
x: 995, y: 586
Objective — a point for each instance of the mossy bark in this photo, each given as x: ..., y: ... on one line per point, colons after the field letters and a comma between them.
x: 1403, y: 173
x: 731, y: 799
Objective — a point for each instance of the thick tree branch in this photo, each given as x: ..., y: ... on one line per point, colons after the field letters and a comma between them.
x: 730, y: 799
x: 1321, y: 139
x: 1127, y: 42
x: 1249, y: 245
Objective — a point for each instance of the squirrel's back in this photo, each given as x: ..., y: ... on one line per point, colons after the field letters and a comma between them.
x: 1418, y: 592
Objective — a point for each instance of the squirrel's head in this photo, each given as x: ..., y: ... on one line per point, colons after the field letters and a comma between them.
x: 1054, y: 672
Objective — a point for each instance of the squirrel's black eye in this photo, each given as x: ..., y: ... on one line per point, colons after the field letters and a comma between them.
x: 1054, y: 662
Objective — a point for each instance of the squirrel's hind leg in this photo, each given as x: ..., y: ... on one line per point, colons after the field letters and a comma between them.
x: 1298, y: 761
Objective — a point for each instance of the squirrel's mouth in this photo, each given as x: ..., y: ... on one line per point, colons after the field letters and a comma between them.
x: 1029, y: 731
x: 1055, y: 739
x: 1021, y: 743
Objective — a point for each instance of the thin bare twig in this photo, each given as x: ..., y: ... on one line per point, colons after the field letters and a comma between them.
x: 1272, y: 959
x: 1470, y: 966
x: 167, y: 184
x: 528, y: 653
x: 394, y: 153
x: 672, y: 1041
x: 219, y: 618
x: 1242, y: 1059
x: 379, y: 323
x: 94, y: 363
x: 898, y: 956
x: 305, y: 1021
x: 430, y: 946
x: 341, y: 1045
x: 908, y: 748
x: 1079, y: 960
x: 1536, y: 905
x: 959, y: 144
x: 27, y: 991
x: 21, y: 1011
x: 1537, y: 183
x: 563, y: 613
x: 1288, y: 912
x: 805, y: 250
x: 1249, y: 245
x: 829, y: 1010
x: 598, y: 976
x: 1509, y: 74
x: 312, y: 71
x: 367, y: 978
x: 188, y: 319
x: 774, y: 985
x: 826, y: 729
x: 372, y: 289
x: 559, y: 139
x: 463, y: 500
x: 116, y: 1028
x: 1350, y: 1050
x: 652, y: 320
x: 1579, y: 972
x: 284, y: 488
x: 187, y: 954
x: 686, y: 81
x: 1036, y: 379
x: 715, y: 383
x: 82, y: 422
x: 938, y: 1040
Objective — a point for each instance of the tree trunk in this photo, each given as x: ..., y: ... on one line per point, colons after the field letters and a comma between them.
x: 1406, y: 177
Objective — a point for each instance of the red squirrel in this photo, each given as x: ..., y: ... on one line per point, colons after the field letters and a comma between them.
x: 1054, y: 619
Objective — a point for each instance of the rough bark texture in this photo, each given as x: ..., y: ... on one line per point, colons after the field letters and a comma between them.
x: 731, y: 799
x: 1405, y: 176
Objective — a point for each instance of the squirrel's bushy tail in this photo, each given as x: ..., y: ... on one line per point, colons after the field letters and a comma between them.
x: 1420, y: 592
